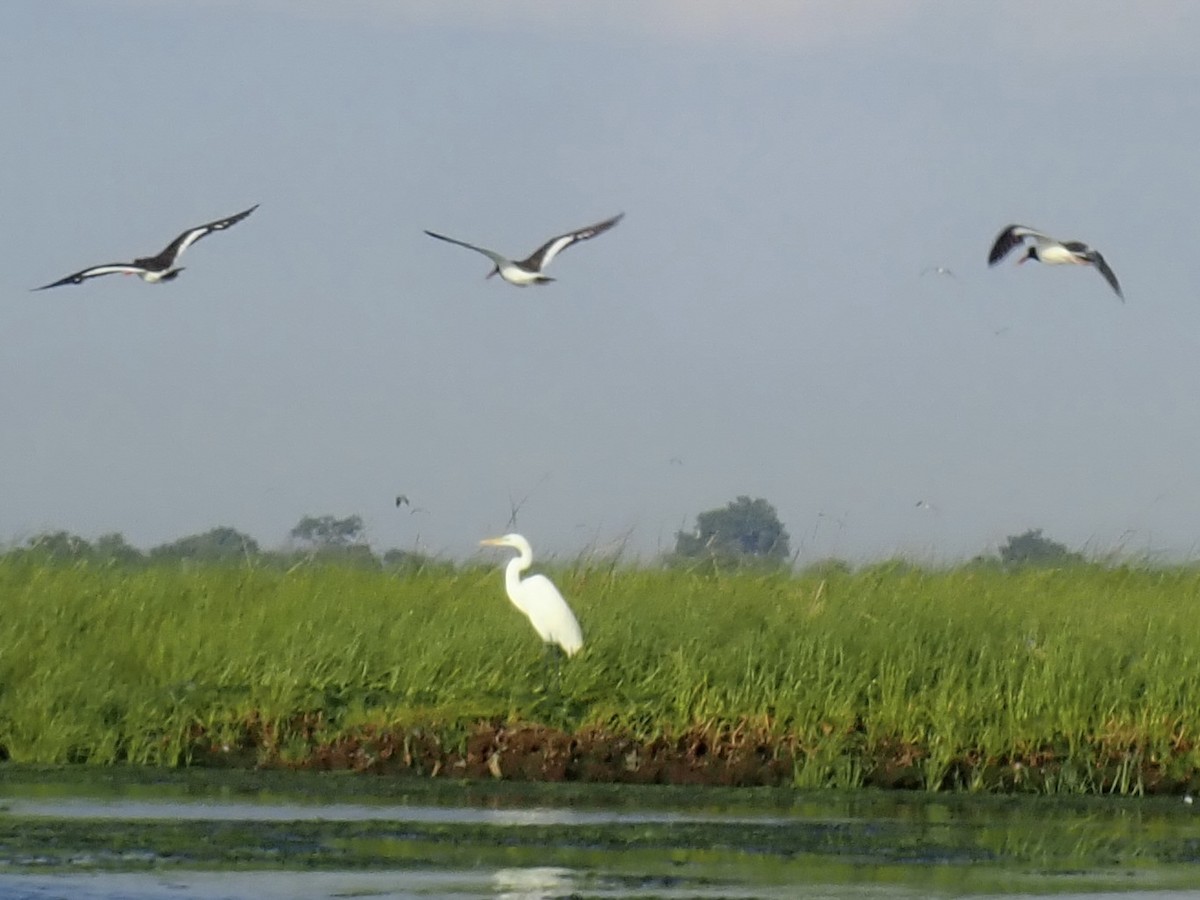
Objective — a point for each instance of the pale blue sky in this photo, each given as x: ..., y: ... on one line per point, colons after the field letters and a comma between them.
x: 787, y: 170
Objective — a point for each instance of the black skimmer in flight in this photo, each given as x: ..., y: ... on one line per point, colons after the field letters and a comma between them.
x: 529, y: 270
x: 155, y: 268
x: 1050, y: 251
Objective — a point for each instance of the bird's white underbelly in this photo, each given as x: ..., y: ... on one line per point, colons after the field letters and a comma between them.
x: 516, y: 275
x: 1056, y: 255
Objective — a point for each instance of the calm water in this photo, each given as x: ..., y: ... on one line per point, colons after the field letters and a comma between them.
x: 139, y: 834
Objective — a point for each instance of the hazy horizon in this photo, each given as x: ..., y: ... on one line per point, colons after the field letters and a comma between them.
x: 619, y: 548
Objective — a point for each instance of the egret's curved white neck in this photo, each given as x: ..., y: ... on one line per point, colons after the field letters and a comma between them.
x: 512, y: 571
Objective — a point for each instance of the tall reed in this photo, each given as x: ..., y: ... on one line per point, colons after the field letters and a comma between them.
x: 958, y: 677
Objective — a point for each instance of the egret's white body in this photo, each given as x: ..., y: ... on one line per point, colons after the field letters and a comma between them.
x: 538, y: 598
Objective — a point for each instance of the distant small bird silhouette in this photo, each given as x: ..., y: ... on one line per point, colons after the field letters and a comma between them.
x: 938, y: 270
x: 402, y: 500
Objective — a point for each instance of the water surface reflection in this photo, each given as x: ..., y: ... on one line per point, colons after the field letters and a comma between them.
x: 230, y: 835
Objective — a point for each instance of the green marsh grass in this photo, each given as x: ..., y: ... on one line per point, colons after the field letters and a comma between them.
x: 1081, y: 680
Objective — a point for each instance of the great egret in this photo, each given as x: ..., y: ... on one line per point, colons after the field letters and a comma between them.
x: 1050, y: 251
x: 537, y: 597
x: 522, y: 272
x: 155, y: 268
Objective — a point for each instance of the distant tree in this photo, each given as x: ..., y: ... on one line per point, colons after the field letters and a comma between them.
x: 223, y: 545
x: 744, y: 530
x: 1032, y: 549
x: 115, y: 550
x: 357, y: 555
x: 329, y: 539
x: 412, y: 561
x: 324, y: 532
x: 59, y: 546
x: 827, y: 568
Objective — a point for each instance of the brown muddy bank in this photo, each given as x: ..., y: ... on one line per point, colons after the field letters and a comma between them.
x: 718, y: 757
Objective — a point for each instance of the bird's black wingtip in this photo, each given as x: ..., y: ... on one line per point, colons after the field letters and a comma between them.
x: 1003, y: 243
x: 237, y: 217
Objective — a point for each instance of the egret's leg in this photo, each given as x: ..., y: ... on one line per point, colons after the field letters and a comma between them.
x: 552, y: 661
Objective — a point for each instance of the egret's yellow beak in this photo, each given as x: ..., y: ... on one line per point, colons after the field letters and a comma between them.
x: 492, y: 542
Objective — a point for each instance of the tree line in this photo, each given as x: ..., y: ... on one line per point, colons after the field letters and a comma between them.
x: 745, y: 533
x: 319, y: 539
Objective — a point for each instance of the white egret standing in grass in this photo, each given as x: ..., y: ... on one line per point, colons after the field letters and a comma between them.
x: 537, y: 597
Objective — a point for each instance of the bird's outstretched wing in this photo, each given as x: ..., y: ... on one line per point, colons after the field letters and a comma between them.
x: 84, y: 274
x: 1098, y: 261
x: 1012, y: 236
x: 189, y: 237
x: 490, y: 254
x: 542, y: 256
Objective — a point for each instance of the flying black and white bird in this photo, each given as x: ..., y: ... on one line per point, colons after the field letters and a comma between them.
x: 155, y: 268
x: 1050, y: 251
x: 529, y: 270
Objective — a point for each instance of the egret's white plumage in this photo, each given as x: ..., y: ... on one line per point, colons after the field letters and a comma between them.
x: 537, y: 597
x: 1050, y: 251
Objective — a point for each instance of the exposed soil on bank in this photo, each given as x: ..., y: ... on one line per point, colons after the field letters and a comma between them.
x: 733, y: 758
